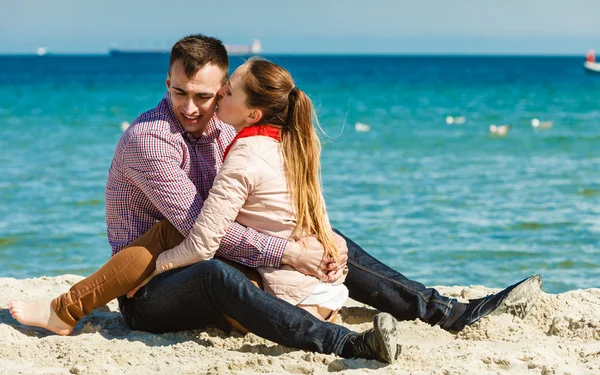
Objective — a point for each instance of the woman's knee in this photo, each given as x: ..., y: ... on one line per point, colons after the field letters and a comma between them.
x: 169, y: 235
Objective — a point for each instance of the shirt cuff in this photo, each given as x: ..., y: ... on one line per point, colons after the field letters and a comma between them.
x: 273, y: 257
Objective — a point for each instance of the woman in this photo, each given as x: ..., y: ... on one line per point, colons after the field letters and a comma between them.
x: 269, y: 181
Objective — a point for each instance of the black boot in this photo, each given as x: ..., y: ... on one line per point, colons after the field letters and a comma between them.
x: 379, y: 342
x: 517, y: 299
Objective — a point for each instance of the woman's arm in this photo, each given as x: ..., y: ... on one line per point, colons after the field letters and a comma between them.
x: 227, y: 196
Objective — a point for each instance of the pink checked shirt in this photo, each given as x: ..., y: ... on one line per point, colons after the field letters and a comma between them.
x: 161, y: 172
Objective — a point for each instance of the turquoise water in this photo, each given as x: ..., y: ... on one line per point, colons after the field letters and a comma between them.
x: 444, y: 204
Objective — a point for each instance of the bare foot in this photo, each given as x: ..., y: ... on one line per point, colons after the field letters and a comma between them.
x: 39, y: 314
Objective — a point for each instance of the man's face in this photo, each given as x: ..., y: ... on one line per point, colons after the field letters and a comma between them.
x: 194, y: 99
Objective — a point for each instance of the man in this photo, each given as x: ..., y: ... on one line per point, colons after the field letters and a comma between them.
x: 163, y: 168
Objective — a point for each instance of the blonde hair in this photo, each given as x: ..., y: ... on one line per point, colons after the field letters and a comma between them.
x: 270, y: 88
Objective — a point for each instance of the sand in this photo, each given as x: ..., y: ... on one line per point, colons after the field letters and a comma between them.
x: 560, y: 336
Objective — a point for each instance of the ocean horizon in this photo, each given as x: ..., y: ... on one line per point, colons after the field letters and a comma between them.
x: 106, y: 53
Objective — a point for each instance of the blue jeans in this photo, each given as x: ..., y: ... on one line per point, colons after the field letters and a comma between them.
x: 200, y: 294
x: 375, y: 284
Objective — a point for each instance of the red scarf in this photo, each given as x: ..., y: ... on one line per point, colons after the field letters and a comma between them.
x: 250, y: 131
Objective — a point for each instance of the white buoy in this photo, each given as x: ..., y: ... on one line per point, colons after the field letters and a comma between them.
x: 125, y: 125
x: 499, y: 130
x: 458, y: 120
x: 360, y: 127
x: 537, y: 124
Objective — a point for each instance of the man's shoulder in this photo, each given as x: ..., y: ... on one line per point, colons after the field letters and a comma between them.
x: 159, y: 119
x: 154, y: 132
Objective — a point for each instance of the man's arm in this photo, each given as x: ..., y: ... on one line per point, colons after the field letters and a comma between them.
x: 152, y: 162
x: 252, y: 248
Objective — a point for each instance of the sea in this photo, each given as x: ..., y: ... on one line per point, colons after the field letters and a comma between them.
x: 410, y: 168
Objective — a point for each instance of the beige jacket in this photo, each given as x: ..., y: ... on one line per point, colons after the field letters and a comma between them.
x: 251, y: 189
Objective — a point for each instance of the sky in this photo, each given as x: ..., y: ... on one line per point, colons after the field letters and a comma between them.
x: 306, y: 26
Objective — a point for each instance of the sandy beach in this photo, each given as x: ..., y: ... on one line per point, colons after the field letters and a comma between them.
x: 560, y: 336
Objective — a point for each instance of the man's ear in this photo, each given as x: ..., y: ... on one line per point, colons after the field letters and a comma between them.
x: 254, y: 116
x: 168, y: 81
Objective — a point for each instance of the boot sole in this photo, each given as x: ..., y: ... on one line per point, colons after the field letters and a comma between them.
x: 521, y: 300
x: 384, y: 325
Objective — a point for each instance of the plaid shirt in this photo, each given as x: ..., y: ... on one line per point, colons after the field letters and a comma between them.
x: 161, y: 172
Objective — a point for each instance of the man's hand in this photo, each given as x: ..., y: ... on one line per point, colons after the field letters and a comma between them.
x: 308, y: 256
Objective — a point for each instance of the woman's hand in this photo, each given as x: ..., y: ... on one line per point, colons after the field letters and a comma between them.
x: 337, y: 270
x: 308, y: 257
x: 134, y: 290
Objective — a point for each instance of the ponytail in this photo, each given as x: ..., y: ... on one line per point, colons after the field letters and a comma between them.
x: 301, y: 153
x: 270, y: 87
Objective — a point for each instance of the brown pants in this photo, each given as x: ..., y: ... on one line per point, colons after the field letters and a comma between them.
x: 123, y: 272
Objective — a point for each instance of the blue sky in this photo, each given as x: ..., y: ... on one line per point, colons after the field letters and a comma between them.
x: 306, y: 26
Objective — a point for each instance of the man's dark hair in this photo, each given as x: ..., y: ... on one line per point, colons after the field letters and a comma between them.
x: 196, y: 51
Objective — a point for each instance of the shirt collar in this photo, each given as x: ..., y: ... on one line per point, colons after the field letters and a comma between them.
x: 211, y: 133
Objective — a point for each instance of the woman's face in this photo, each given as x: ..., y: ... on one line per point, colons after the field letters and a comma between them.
x: 232, y: 108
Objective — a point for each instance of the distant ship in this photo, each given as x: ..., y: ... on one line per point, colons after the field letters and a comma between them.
x: 590, y: 63
x: 252, y: 49
x: 137, y: 52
